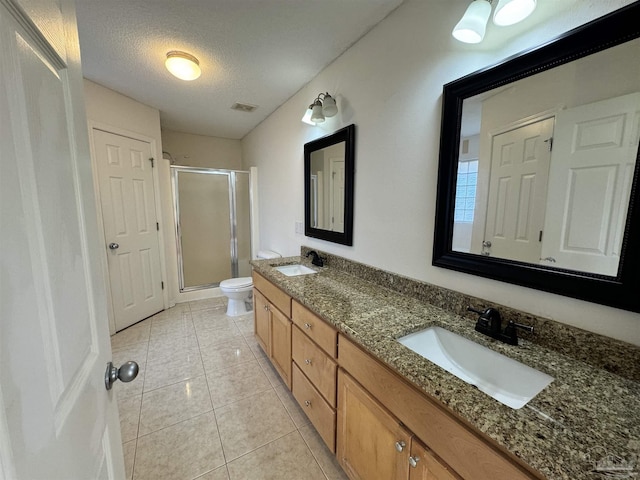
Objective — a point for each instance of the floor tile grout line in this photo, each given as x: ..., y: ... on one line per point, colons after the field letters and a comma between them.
x: 264, y: 445
x: 176, y: 423
x: 313, y: 454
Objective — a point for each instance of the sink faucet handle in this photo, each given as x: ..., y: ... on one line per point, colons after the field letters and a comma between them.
x: 317, y: 260
x: 511, y: 331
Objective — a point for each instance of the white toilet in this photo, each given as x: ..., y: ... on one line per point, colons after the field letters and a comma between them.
x: 238, y: 290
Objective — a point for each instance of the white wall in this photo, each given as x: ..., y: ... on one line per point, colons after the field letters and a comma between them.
x: 389, y: 84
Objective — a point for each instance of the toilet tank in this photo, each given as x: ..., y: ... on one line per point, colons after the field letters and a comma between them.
x: 265, y: 254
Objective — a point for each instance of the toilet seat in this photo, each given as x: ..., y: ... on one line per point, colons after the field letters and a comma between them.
x: 234, y: 283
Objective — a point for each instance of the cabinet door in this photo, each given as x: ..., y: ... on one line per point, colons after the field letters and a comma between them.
x: 261, y: 320
x: 281, y: 344
x: 371, y: 442
x: 425, y: 465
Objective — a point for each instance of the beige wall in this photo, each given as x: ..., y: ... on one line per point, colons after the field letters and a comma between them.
x: 202, y: 151
x: 390, y: 85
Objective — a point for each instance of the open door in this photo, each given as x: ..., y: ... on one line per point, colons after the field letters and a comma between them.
x: 57, y: 420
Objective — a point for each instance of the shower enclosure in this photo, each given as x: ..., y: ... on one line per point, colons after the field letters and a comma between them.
x: 213, y: 225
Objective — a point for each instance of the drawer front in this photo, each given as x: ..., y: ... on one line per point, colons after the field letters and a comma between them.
x: 319, y: 412
x: 317, y: 329
x: 319, y: 368
x: 277, y: 297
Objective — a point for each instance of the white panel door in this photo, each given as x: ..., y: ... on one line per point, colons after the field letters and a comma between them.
x: 57, y: 420
x: 129, y: 217
x: 591, y: 173
x: 337, y: 194
x: 518, y: 191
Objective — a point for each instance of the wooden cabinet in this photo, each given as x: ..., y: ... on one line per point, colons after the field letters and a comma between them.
x: 314, y: 347
x: 272, y: 326
x: 372, y: 443
x: 425, y: 466
x: 468, y: 453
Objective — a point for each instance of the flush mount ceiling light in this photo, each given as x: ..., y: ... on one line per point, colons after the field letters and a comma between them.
x: 183, y: 65
x: 323, y: 106
x: 473, y: 24
x: 509, y: 12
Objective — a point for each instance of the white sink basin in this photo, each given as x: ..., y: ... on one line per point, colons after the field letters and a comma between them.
x: 294, y: 270
x: 508, y: 381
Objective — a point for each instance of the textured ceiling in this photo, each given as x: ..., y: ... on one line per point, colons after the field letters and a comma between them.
x: 259, y: 52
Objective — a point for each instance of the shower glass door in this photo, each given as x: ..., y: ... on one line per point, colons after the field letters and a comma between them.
x: 213, y: 225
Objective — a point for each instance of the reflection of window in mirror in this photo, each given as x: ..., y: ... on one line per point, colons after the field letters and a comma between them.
x: 465, y: 201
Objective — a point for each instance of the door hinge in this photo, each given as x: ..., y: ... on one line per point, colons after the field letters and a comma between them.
x: 540, y: 236
x: 549, y: 141
x: 151, y: 160
x: 162, y: 285
x: 157, y: 226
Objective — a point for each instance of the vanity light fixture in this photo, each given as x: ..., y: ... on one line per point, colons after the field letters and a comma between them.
x: 509, y: 12
x: 473, y: 24
x: 322, y: 107
x: 183, y: 65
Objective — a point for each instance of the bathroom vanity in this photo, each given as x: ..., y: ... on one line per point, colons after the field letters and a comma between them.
x: 382, y: 408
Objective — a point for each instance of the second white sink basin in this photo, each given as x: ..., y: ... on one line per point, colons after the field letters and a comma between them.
x: 294, y: 270
x: 508, y: 381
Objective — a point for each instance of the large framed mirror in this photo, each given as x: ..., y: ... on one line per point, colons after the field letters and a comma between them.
x: 328, y: 187
x: 538, y: 169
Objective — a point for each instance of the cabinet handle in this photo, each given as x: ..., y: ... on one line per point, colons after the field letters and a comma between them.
x: 400, y: 445
x: 307, y: 361
x: 413, y: 461
x: 307, y: 403
x: 307, y: 326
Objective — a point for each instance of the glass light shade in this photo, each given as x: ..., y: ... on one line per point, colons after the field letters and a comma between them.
x: 509, y: 12
x: 473, y: 24
x: 316, y: 114
x: 329, y: 107
x: 183, y: 65
x: 307, y: 116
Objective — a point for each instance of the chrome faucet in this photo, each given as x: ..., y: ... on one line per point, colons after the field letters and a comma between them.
x: 490, y: 323
x: 317, y: 260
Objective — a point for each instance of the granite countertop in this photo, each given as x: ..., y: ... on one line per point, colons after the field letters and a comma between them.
x: 587, y: 419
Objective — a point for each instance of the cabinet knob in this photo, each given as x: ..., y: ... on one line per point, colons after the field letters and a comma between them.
x: 307, y: 326
x: 400, y: 445
x: 413, y: 461
x: 307, y: 403
x: 266, y: 307
x: 307, y: 361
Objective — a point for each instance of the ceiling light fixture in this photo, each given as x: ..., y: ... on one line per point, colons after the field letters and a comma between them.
x: 509, y: 12
x: 183, y: 65
x: 473, y: 24
x: 323, y: 106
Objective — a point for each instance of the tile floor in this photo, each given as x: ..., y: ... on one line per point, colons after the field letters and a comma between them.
x: 208, y: 405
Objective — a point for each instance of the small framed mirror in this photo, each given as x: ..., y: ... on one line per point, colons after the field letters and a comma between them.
x: 328, y: 187
x: 538, y: 172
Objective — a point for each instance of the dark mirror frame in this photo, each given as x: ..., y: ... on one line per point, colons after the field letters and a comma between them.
x: 621, y: 291
x: 347, y: 135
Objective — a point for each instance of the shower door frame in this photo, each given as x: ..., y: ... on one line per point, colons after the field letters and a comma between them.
x: 233, y: 220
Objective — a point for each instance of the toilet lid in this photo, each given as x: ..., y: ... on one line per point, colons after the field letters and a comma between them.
x: 237, y: 282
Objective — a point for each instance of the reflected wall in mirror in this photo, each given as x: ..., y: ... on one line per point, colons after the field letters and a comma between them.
x: 328, y: 186
x: 538, y: 166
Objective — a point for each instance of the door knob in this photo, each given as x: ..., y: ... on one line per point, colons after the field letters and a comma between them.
x: 125, y: 373
x: 114, y: 246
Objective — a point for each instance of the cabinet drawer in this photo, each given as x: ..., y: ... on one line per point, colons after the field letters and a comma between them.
x: 317, y: 329
x: 319, y: 368
x: 277, y: 297
x: 319, y: 412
